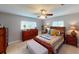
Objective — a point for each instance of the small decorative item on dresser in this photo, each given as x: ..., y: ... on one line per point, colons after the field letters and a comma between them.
x: 1, y: 26
x: 73, y: 33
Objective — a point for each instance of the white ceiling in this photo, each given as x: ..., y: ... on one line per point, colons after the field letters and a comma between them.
x: 33, y: 10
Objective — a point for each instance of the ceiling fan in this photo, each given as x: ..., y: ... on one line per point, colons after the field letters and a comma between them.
x: 44, y: 14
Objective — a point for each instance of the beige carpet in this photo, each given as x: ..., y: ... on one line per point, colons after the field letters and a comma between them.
x: 17, y: 48
x: 21, y: 48
x: 68, y: 49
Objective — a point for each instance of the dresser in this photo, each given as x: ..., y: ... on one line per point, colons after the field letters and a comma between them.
x: 3, y: 39
x: 29, y: 34
x: 71, y: 40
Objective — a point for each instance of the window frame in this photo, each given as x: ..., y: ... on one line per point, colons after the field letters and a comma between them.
x: 26, y: 25
x: 58, y: 23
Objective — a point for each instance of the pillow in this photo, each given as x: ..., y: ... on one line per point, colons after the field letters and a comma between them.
x: 48, y: 30
x: 55, y: 32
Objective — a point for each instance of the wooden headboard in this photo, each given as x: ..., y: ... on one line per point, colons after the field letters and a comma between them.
x: 61, y: 29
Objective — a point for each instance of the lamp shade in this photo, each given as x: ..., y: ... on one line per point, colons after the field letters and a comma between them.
x: 73, y: 27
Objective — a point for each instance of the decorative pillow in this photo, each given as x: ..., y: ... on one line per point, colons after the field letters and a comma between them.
x: 48, y: 30
x: 55, y: 32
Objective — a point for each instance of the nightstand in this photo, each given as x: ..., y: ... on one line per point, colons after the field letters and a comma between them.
x: 71, y: 40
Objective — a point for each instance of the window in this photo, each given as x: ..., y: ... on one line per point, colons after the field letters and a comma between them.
x: 58, y: 23
x: 28, y: 25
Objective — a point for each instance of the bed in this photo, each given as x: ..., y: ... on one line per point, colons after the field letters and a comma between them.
x: 54, y: 41
x: 46, y: 42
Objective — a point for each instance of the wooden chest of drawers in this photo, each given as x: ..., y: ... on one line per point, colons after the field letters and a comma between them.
x: 72, y: 40
x: 29, y: 34
x: 3, y: 40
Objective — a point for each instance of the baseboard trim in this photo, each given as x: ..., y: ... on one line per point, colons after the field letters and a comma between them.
x: 14, y: 42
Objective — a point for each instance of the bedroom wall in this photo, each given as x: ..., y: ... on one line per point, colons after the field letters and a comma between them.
x: 68, y: 19
x: 13, y: 23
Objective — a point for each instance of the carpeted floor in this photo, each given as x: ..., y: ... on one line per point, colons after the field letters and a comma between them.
x: 68, y: 49
x: 17, y: 48
x: 21, y: 48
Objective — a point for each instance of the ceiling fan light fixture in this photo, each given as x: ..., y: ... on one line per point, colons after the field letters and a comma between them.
x: 43, y: 11
x: 42, y: 17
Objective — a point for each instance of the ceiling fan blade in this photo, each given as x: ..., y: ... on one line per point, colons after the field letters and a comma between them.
x: 49, y: 14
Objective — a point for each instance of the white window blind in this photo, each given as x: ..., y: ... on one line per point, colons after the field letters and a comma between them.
x: 28, y: 25
x: 58, y: 23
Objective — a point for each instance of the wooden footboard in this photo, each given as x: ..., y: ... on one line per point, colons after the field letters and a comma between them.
x: 46, y: 45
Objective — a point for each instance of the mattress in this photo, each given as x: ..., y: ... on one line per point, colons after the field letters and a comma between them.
x: 36, y: 48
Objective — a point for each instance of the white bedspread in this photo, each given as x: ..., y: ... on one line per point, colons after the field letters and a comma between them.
x: 36, y: 48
